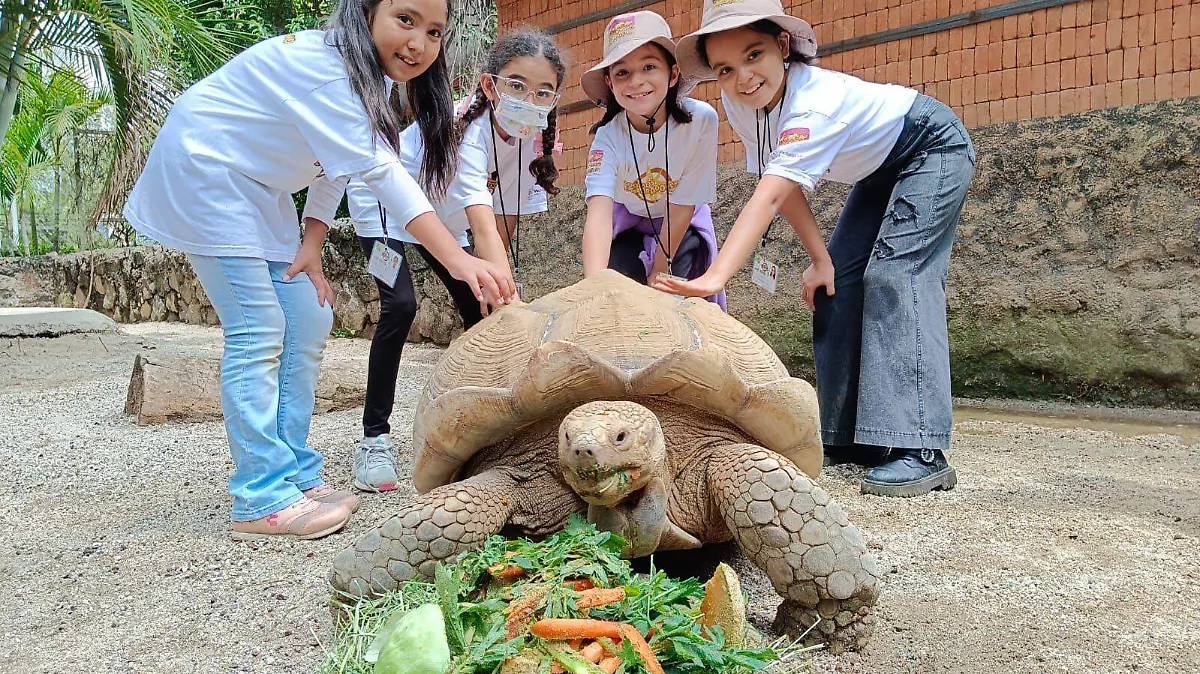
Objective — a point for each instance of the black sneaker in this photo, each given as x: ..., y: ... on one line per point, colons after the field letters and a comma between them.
x: 861, y: 455
x: 910, y: 472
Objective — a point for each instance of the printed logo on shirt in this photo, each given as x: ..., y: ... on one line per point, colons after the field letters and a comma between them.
x: 655, y: 183
x: 595, y: 160
x: 722, y: 3
x: 289, y: 38
x: 793, y: 135
x: 619, y: 27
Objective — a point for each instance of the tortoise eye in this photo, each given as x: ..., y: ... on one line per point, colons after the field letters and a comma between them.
x: 621, y: 436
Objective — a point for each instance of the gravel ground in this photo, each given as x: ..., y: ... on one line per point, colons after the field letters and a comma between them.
x: 1069, y: 545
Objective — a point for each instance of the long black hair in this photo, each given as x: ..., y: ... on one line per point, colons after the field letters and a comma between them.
x: 766, y: 27
x: 526, y: 42
x: 674, y: 111
x: 430, y: 98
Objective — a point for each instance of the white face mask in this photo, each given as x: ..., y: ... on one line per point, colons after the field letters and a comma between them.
x: 520, y: 118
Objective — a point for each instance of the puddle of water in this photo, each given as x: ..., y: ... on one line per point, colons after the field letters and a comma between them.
x: 1189, y: 433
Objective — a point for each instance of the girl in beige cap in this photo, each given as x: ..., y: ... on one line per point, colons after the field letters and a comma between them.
x: 652, y: 168
x: 880, y: 344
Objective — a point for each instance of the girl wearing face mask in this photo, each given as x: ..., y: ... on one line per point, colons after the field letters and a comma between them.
x: 880, y: 343
x: 300, y: 110
x: 505, y: 170
x: 652, y: 167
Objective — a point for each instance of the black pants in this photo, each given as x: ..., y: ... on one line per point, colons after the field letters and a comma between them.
x: 397, y: 310
x: 628, y: 245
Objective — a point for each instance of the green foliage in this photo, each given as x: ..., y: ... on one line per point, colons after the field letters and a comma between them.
x: 474, y: 609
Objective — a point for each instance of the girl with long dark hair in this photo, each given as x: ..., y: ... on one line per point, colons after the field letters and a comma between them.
x: 300, y: 110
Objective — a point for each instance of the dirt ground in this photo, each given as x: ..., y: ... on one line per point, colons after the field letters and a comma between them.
x: 1070, y: 544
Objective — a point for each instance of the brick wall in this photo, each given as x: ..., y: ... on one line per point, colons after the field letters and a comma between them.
x: 1073, y: 58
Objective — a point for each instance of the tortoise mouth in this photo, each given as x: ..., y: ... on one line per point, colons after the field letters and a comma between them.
x: 607, y: 483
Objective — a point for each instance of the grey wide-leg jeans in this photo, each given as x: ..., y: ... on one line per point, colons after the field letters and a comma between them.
x: 880, y: 343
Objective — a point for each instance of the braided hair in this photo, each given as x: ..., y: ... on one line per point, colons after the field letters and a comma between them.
x: 527, y: 42
x: 674, y: 110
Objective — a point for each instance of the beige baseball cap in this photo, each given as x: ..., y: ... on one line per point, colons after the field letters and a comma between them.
x: 723, y: 15
x: 623, y: 34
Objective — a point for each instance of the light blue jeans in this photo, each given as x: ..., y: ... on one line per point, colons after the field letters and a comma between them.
x: 274, y: 338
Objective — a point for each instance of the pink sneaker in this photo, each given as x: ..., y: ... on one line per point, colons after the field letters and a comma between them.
x: 304, y: 519
x: 326, y: 494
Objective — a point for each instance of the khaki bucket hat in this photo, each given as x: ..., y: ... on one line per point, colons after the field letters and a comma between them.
x: 623, y: 34
x: 722, y: 15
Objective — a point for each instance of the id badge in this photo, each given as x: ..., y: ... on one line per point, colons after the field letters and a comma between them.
x: 681, y: 279
x: 385, y: 264
x: 765, y: 274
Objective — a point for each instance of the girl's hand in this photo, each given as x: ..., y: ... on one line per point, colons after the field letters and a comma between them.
x: 817, y: 275
x: 308, y: 260
x: 703, y: 286
x: 492, y: 285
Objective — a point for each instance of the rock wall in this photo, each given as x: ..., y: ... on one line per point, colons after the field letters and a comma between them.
x: 152, y: 283
x: 1076, y: 270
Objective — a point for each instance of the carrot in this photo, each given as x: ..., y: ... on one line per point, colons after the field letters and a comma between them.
x: 575, y: 644
x: 580, y: 584
x: 593, y: 651
x: 599, y: 597
x: 610, y: 645
x: 643, y: 649
x: 556, y: 668
x: 520, y: 611
x: 609, y: 665
x: 501, y: 572
x: 568, y: 628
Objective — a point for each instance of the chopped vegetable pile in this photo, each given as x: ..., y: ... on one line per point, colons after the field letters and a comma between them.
x: 566, y: 604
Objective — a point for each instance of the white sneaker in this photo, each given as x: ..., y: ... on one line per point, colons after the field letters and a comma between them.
x: 374, y: 465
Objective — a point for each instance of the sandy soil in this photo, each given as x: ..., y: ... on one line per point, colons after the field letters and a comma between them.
x: 1069, y: 545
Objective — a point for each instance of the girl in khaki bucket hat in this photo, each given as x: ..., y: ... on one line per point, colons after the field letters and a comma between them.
x: 880, y: 343
x: 652, y: 167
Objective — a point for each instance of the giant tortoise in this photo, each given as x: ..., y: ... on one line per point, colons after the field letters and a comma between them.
x: 663, y: 420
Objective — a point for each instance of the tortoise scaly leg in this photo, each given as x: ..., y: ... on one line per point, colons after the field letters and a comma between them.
x: 432, y: 528
x: 790, y: 528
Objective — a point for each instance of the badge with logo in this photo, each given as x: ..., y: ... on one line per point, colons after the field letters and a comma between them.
x: 765, y: 274
x: 595, y: 160
x: 793, y: 135
x: 385, y: 264
x: 289, y: 38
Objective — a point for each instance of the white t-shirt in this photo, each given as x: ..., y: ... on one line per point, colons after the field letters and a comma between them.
x: 472, y: 185
x: 612, y: 171
x: 828, y: 125
x: 276, y: 118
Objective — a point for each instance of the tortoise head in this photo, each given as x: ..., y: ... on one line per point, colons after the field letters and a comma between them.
x: 608, y: 450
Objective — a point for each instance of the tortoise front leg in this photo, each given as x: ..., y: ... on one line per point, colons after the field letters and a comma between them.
x: 790, y: 528
x: 433, y: 528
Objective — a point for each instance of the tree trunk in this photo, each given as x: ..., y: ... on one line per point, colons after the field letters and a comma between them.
x: 184, y: 389
x: 33, y: 233
x: 57, y: 192
x: 12, y: 50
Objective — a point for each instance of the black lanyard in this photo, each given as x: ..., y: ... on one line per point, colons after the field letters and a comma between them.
x: 762, y: 140
x: 514, y: 234
x: 383, y: 220
x: 650, y: 144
